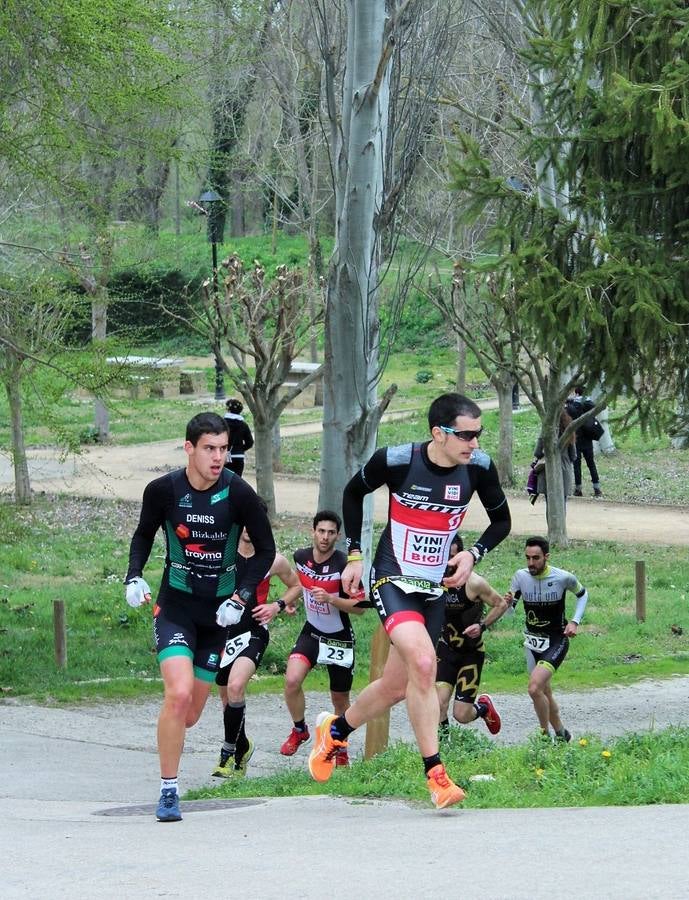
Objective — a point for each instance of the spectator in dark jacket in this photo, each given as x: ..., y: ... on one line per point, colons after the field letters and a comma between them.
x: 241, y: 438
x: 577, y: 406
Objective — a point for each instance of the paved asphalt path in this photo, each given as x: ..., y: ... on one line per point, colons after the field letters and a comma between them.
x: 78, y: 784
x: 76, y: 811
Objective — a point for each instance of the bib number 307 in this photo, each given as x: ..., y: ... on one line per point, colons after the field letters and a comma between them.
x: 539, y: 643
x: 335, y: 653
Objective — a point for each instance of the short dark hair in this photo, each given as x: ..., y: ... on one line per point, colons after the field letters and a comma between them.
x: 327, y: 515
x: 205, y: 423
x: 537, y: 541
x: 234, y: 406
x: 579, y: 390
x: 445, y: 409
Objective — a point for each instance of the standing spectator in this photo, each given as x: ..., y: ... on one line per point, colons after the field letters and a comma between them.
x: 568, y: 454
x: 241, y: 438
x: 577, y: 406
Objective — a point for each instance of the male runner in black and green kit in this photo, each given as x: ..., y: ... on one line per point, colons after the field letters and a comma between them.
x: 542, y: 588
x: 202, y: 510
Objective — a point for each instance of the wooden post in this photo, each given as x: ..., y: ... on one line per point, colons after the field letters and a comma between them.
x: 60, y: 629
x: 640, y: 567
x: 378, y: 729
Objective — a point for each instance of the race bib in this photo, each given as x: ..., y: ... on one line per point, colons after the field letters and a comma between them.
x: 335, y: 653
x: 234, y: 647
x: 539, y: 643
x: 420, y: 587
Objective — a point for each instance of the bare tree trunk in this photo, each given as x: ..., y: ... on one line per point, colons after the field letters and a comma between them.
x: 99, y: 329
x: 503, y: 387
x: 556, y: 508
x: 263, y: 453
x: 277, y: 447
x: 461, y: 380
x: 350, y: 412
x: 22, y: 483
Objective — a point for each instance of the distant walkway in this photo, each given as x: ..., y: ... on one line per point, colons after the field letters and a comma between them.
x: 123, y: 472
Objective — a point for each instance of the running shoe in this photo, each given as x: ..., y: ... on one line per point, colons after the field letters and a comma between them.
x: 444, y: 792
x: 341, y: 758
x: 565, y: 736
x: 294, y: 739
x: 326, y: 748
x: 168, y: 806
x: 240, y: 764
x: 492, y: 717
x: 225, y: 767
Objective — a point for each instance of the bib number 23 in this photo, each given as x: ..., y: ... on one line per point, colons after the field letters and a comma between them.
x: 335, y: 653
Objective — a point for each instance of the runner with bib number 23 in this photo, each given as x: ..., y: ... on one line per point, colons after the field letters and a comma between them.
x: 327, y: 637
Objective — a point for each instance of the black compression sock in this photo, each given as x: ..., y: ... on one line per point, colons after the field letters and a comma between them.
x: 340, y: 729
x: 242, y: 746
x: 233, y: 717
x: 430, y: 762
x: 300, y: 725
x: 481, y: 710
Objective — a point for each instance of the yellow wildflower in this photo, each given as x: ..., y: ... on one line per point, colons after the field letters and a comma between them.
x: 606, y: 754
x: 583, y: 742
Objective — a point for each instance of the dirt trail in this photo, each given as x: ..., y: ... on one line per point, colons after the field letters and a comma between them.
x: 123, y: 472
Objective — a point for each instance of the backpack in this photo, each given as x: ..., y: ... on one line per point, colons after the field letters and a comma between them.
x: 592, y: 429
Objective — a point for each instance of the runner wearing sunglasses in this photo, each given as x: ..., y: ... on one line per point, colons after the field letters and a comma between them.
x: 430, y: 487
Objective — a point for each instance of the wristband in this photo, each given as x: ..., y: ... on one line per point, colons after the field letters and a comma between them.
x: 483, y: 626
x: 355, y: 557
x: 476, y: 553
x: 281, y: 605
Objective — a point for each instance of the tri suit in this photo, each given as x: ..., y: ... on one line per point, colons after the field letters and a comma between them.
x: 460, y: 658
x: 201, y: 529
x: 543, y: 596
x: 426, y: 507
x: 248, y: 638
x: 327, y: 636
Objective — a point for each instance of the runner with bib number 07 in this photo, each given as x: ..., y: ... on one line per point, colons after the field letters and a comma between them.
x: 542, y: 588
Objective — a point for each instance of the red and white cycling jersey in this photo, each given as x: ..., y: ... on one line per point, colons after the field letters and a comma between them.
x: 326, y: 575
x: 427, y: 506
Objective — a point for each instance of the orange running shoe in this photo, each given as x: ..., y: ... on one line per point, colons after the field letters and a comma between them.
x: 294, y: 740
x: 492, y: 717
x: 444, y: 792
x: 325, y: 749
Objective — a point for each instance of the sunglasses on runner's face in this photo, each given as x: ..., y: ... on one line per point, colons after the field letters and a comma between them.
x: 462, y: 435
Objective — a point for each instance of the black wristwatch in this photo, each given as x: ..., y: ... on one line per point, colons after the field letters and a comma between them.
x: 281, y: 605
x: 246, y: 596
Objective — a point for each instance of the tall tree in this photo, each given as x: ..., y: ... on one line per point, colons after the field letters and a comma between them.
x: 375, y: 146
x: 593, y: 246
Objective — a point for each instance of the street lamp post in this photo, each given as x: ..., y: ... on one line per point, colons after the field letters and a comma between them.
x: 207, y: 202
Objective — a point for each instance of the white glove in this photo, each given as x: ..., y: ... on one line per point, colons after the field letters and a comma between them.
x: 229, y: 613
x: 138, y: 592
